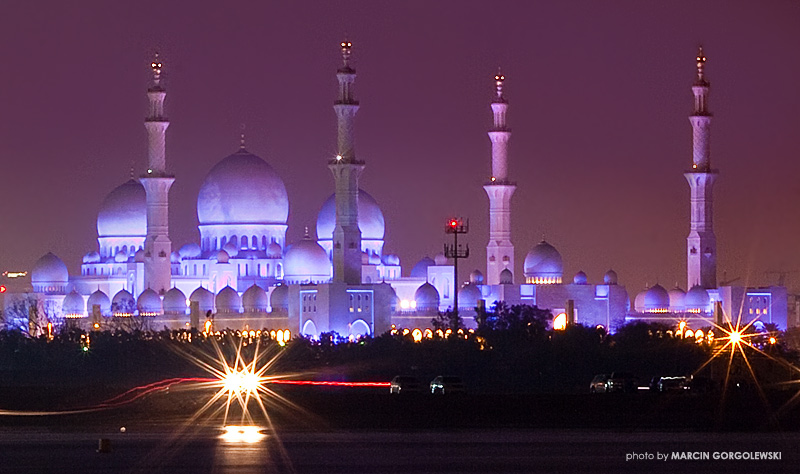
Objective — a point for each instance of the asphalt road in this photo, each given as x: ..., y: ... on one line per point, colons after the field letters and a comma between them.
x: 23, y: 450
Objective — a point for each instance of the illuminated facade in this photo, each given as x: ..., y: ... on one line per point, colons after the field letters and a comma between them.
x: 243, y: 274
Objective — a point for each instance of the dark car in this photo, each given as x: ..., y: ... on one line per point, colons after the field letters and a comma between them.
x: 599, y: 384
x: 673, y: 384
x: 405, y: 384
x: 622, y: 382
x: 447, y: 384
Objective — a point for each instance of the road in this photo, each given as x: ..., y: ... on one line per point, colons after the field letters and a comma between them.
x: 39, y: 450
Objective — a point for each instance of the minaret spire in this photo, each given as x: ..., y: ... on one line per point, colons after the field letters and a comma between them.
x: 157, y: 182
x: 701, y: 242
x: 346, y: 170
x: 500, y: 249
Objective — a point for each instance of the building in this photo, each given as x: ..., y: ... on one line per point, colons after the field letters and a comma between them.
x: 243, y: 274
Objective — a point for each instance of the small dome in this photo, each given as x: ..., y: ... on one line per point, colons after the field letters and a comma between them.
x: 175, y: 257
x: 149, y: 303
x: 468, y: 296
x: 697, y: 299
x: 91, y: 257
x: 440, y: 259
x: 274, y: 250
x: 306, y: 261
x: 279, y: 298
x: 123, y: 303
x: 391, y: 259
x: 370, y: 218
x: 191, y: 250
x: 374, y: 259
x: 427, y: 298
x: 100, y: 299
x: 255, y: 300
x: 231, y: 249
x: 124, y: 212
x: 364, y: 258
x: 506, y: 277
x: 656, y: 299
x: 242, y: 189
x: 610, y: 278
x: 49, y: 274
x: 139, y: 256
x: 476, y: 277
x: 205, y: 298
x: 228, y: 301
x: 175, y: 302
x: 676, y: 299
x: 543, y: 262
x: 223, y: 256
x: 420, y: 270
x: 121, y: 256
x: 73, y: 304
x: 580, y: 278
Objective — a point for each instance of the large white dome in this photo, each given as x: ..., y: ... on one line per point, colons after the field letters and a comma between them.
x: 242, y: 189
x: 544, y: 262
x: 124, y: 212
x: 370, y: 218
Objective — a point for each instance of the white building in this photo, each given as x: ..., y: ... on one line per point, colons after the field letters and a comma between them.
x: 243, y: 274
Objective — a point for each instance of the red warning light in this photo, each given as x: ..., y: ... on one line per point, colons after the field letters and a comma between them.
x: 2, y: 288
x: 453, y: 223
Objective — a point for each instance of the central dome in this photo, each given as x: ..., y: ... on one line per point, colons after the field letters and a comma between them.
x: 124, y: 212
x: 370, y: 218
x: 242, y: 189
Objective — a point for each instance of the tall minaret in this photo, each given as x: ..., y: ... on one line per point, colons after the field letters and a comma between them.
x: 499, y: 250
x: 346, y: 170
x: 156, y: 182
x: 701, y: 244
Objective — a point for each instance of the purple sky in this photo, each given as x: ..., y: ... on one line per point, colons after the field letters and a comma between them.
x: 599, y: 93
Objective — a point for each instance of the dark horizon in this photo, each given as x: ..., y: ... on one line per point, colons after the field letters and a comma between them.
x: 599, y: 93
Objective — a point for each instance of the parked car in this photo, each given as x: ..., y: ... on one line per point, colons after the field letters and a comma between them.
x: 405, y: 384
x: 447, y: 384
x: 599, y: 384
x: 673, y: 384
x: 622, y: 382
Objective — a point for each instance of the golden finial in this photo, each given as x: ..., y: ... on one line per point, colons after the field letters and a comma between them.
x: 499, y: 78
x: 701, y: 60
x: 241, y: 140
x: 156, y: 67
x: 346, y: 46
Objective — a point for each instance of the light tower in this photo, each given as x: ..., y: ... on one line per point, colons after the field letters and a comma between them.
x: 499, y: 250
x: 156, y: 182
x: 346, y: 170
x: 701, y: 244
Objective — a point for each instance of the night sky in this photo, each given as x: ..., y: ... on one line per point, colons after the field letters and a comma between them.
x: 599, y: 96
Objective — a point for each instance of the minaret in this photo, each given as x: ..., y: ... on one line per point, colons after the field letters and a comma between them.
x: 499, y: 250
x: 156, y: 182
x: 701, y: 244
x: 346, y: 170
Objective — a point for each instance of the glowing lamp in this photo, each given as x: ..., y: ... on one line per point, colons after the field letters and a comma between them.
x: 736, y: 337
x: 3, y: 288
x: 772, y: 340
x: 560, y: 322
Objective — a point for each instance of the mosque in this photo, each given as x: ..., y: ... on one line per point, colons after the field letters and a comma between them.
x: 243, y: 274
